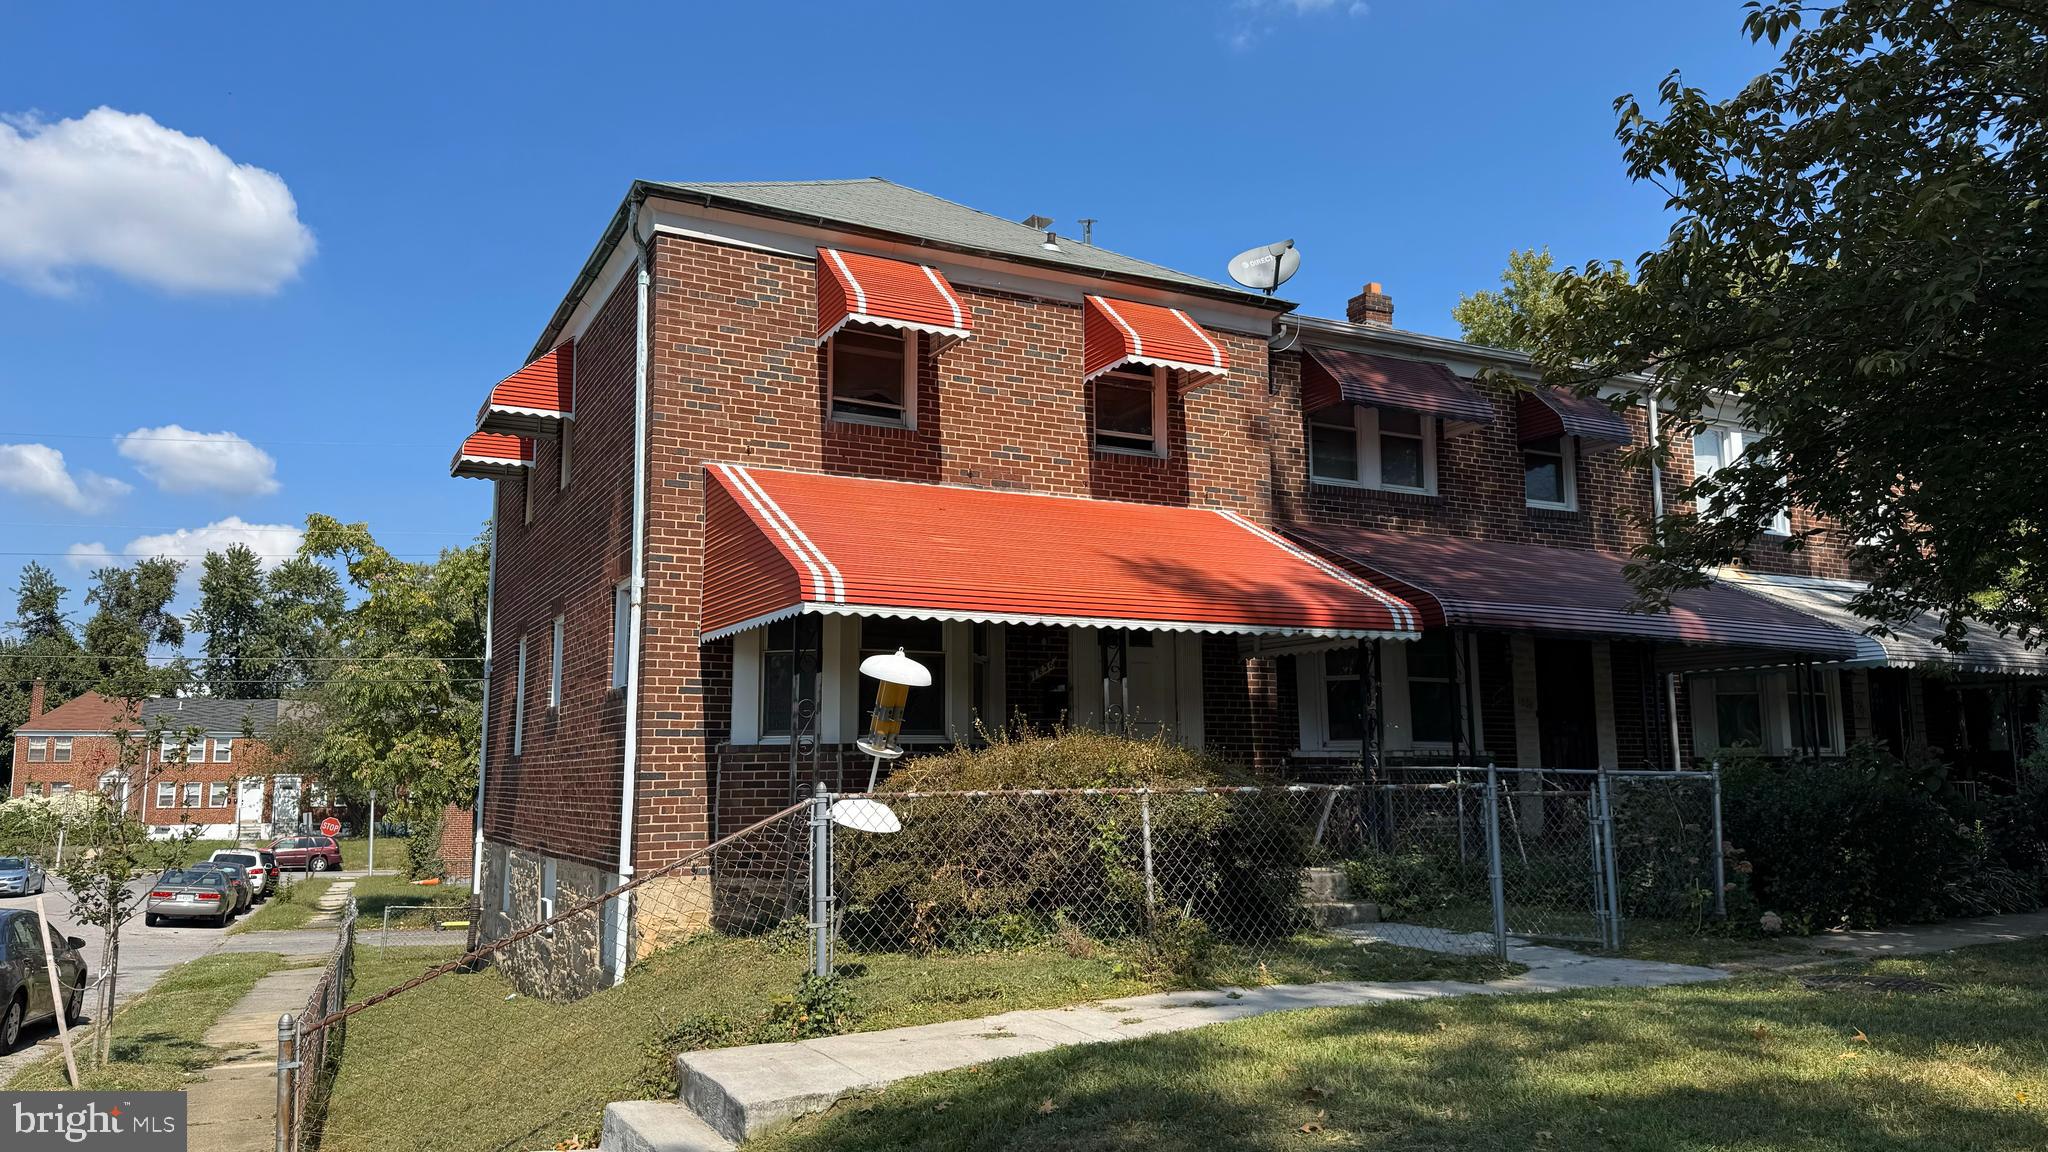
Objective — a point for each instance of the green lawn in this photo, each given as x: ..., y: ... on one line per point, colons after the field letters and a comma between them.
x: 157, y: 1036
x: 435, y: 1064
x: 1753, y: 1064
x: 355, y: 851
x: 373, y: 895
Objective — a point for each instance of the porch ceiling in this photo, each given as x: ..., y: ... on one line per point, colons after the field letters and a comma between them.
x: 782, y: 543
x: 1911, y: 645
x: 1531, y: 588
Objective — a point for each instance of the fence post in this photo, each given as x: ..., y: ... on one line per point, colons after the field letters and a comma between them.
x: 1145, y: 824
x: 287, y: 1079
x: 821, y: 883
x: 1494, y: 880
x: 1720, y: 863
x: 1611, y: 872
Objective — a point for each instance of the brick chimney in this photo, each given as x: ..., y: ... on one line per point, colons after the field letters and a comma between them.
x: 1372, y: 306
x: 35, y: 698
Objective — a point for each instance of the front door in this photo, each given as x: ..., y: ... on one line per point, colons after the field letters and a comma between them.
x: 1140, y: 702
x: 1564, y: 704
x: 284, y: 804
x: 249, y: 800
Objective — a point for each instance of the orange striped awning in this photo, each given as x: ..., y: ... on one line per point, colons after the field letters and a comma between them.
x: 855, y: 288
x: 491, y: 456
x: 1120, y: 332
x: 782, y: 543
x: 535, y: 400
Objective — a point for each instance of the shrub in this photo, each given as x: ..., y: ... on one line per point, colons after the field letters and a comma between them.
x: 1404, y: 884
x: 423, y: 848
x: 1003, y: 871
x: 1865, y: 840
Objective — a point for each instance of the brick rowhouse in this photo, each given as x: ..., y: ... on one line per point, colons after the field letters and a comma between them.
x: 736, y: 375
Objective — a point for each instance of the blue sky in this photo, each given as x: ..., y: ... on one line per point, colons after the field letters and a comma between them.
x: 346, y: 223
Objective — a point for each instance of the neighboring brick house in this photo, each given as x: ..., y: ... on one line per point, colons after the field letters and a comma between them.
x: 776, y: 427
x: 198, y: 762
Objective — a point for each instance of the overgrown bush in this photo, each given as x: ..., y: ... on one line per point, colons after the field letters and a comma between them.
x: 423, y: 847
x: 1866, y: 840
x: 1004, y: 871
x: 1405, y: 884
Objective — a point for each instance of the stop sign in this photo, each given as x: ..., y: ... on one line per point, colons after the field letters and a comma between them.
x: 330, y: 826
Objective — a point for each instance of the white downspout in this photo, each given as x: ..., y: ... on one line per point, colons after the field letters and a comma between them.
x: 622, y: 948
x: 1657, y: 519
x: 483, y: 732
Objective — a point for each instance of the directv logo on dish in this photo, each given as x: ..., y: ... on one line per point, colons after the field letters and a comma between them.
x: 132, y: 1121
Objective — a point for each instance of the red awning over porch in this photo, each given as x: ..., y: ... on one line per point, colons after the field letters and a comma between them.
x: 535, y: 400
x: 782, y: 543
x: 1531, y: 588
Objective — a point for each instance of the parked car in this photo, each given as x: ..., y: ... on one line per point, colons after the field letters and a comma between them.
x: 307, y: 853
x: 191, y: 894
x: 262, y: 877
x: 25, y: 993
x: 238, y: 882
x: 21, y: 876
x: 271, y: 870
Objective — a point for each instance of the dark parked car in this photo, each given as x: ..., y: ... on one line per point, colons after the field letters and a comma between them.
x: 238, y: 881
x: 307, y: 853
x: 262, y: 877
x: 191, y: 894
x: 25, y: 993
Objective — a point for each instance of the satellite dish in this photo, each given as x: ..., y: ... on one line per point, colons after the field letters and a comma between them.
x: 1266, y: 267
x: 864, y: 816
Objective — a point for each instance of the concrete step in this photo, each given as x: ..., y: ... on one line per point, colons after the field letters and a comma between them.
x: 1338, y: 913
x: 1324, y: 884
x: 657, y: 1126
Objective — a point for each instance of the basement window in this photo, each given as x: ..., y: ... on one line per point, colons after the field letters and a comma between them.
x: 873, y: 374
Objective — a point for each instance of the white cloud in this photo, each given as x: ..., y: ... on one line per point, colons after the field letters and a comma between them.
x: 87, y: 557
x: 1253, y: 20
x: 273, y: 544
x: 178, y: 460
x: 118, y: 191
x: 39, y: 470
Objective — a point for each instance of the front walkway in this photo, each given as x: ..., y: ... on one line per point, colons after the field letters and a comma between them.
x: 1875, y: 942
x: 729, y: 1094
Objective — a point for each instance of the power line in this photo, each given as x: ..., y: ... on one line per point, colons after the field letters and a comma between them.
x: 215, y: 439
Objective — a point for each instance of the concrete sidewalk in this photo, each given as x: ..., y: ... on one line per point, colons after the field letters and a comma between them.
x: 233, y: 1105
x: 730, y: 1094
x: 1923, y: 938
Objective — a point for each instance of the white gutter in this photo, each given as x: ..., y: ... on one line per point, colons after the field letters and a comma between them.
x: 483, y: 750
x: 622, y: 948
x: 1657, y: 520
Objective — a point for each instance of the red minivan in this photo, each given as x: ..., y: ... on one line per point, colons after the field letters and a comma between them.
x: 307, y: 853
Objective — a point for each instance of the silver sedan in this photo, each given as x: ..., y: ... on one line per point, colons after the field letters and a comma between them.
x: 21, y: 876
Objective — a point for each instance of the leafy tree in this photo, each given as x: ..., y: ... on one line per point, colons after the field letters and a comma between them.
x: 265, y: 634
x: 1527, y: 296
x: 39, y: 607
x: 1857, y: 259
x: 133, y: 614
x: 402, y: 711
x: 40, y: 645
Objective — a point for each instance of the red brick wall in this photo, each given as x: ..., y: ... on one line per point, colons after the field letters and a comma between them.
x: 91, y: 756
x: 458, y: 841
x: 561, y: 794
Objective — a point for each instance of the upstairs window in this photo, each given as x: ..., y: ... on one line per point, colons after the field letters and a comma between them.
x: 223, y: 751
x: 873, y: 375
x: 1130, y: 411
x: 38, y: 749
x: 1373, y: 448
x: 60, y: 750
x: 1716, y: 448
x: 1547, y: 474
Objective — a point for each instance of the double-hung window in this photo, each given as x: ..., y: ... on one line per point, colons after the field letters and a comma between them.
x: 217, y: 794
x: 873, y: 373
x: 1739, y: 711
x: 60, y: 749
x: 924, y: 641
x: 1547, y: 480
x: 223, y: 750
x: 1373, y: 448
x: 166, y: 795
x: 38, y: 749
x: 1432, y: 691
x: 1716, y: 448
x: 192, y: 795
x: 1130, y: 411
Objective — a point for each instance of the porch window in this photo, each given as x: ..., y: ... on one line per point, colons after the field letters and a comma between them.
x: 166, y: 795
x: 874, y: 375
x: 1130, y: 411
x: 923, y: 641
x: 1739, y: 711
x: 1373, y: 448
x: 38, y: 749
x: 1814, y: 711
x: 778, y: 674
x: 217, y: 794
x: 1547, y: 474
x: 1343, y: 699
x: 1432, y: 691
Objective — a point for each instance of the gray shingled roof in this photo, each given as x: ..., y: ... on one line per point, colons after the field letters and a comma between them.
x: 875, y: 203
x: 209, y: 715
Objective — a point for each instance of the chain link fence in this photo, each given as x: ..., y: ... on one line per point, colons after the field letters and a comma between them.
x: 309, y: 1056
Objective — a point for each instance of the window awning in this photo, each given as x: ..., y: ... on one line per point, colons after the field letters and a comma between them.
x: 1341, y: 376
x: 1915, y: 644
x: 491, y: 456
x: 1530, y: 588
x: 535, y: 400
x: 1120, y: 332
x: 1544, y: 413
x: 782, y: 543
x: 854, y: 287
